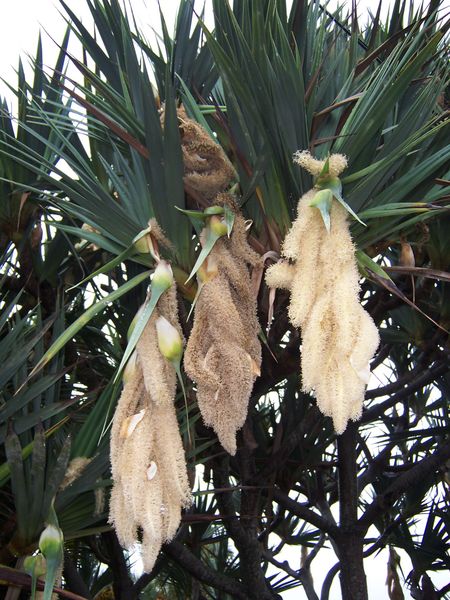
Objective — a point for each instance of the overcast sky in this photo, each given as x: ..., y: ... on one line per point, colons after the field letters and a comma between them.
x: 19, y: 28
x: 22, y: 19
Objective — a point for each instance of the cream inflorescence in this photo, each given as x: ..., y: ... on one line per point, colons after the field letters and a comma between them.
x: 338, y: 336
x: 148, y: 463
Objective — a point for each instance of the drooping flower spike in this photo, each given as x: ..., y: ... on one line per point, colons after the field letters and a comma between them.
x: 319, y: 268
x: 223, y: 353
x: 148, y: 463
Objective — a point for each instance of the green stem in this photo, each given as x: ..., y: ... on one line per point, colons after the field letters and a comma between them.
x: 176, y: 364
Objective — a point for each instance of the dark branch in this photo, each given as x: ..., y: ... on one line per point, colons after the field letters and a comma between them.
x: 384, y: 501
x: 305, y: 513
x: 325, y: 594
x: 73, y: 579
x: 244, y: 533
x: 426, y: 377
x: 122, y: 582
x: 412, y: 381
x: 200, y: 571
x: 19, y: 579
x: 301, y: 575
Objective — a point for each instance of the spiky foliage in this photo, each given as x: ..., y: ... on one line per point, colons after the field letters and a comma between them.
x: 263, y: 83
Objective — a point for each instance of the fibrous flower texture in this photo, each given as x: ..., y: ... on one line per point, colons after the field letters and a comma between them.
x: 207, y: 170
x: 147, y: 456
x: 223, y: 353
x: 338, y: 336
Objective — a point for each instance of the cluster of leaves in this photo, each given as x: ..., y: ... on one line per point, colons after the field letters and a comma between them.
x: 81, y: 173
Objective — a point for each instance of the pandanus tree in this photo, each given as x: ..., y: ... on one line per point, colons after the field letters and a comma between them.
x: 209, y: 244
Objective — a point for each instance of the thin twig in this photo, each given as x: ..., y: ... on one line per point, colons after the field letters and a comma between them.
x: 19, y: 579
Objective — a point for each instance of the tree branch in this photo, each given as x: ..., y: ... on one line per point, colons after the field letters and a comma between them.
x: 200, y: 571
x: 305, y: 513
x: 122, y: 582
x: 384, y: 501
x: 350, y: 539
x: 414, y: 380
x: 73, y: 579
x: 375, y: 467
x: 19, y: 579
x: 326, y: 586
x: 244, y: 534
x: 425, y: 377
x: 299, y: 575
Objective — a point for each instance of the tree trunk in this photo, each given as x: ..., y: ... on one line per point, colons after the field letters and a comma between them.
x: 351, y: 536
x: 352, y: 575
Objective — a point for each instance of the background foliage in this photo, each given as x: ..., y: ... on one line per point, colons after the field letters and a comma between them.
x: 82, y: 170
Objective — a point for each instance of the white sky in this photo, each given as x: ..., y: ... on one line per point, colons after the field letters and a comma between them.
x: 19, y: 27
x: 22, y: 19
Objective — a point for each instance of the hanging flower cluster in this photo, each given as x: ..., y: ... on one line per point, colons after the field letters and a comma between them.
x: 147, y: 456
x: 223, y: 353
x: 223, y: 357
x: 319, y: 269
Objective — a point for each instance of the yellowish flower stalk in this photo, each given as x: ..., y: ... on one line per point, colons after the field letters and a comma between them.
x: 223, y: 354
x: 339, y: 337
x: 148, y: 464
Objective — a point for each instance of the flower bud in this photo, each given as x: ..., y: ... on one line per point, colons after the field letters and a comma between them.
x: 144, y: 243
x: 163, y: 276
x: 218, y: 226
x: 130, y: 368
x: 169, y: 340
x: 213, y: 210
x: 51, y: 542
x: 208, y: 270
x: 134, y: 321
x: 35, y: 565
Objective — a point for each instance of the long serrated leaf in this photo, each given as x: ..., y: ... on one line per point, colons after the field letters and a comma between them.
x: 365, y: 262
x: 13, y: 363
x: 5, y: 469
x: 18, y: 482
x: 55, y: 478
x: 88, y: 437
x: 156, y: 293
x: 109, y: 266
x: 391, y: 287
x: 90, y: 236
x: 22, y: 398
x: 421, y: 272
x: 37, y: 479
x: 8, y: 309
x: 396, y: 209
x: 210, y: 239
x: 84, y: 319
x: 193, y: 110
